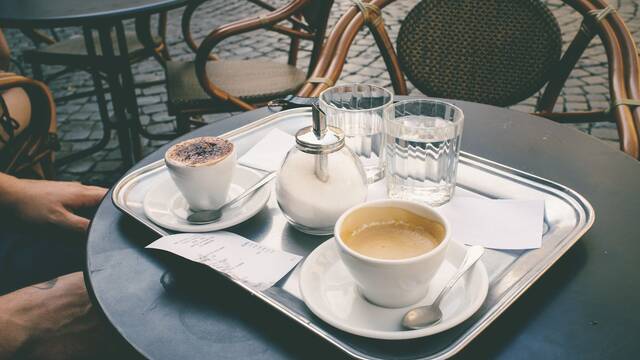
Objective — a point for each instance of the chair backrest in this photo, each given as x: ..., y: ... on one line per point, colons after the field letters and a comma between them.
x: 315, y: 12
x: 30, y: 153
x: 493, y: 52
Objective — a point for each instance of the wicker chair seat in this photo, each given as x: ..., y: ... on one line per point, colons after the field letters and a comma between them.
x: 253, y: 81
x: 493, y: 52
x: 74, y: 49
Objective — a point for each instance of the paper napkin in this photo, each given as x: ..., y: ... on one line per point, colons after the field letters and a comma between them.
x: 492, y: 223
x: 269, y: 152
x: 496, y: 224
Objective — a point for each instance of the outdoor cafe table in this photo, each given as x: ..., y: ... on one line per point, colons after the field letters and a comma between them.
x: 101, y: 16
x: 585, y: 306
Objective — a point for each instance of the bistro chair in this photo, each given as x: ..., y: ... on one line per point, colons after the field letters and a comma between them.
x: 72, y: 52
x: 211, y: 85
x: 30, y: 152
x: 494, y: 52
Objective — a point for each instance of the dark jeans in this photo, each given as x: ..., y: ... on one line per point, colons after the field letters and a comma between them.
x: 31, y: 254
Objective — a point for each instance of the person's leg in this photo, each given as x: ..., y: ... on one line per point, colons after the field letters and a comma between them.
x: 56, y: 320
x: 31, y: 254
x: 41, y: 281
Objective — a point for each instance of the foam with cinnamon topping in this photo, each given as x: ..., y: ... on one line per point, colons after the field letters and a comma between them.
x: 200, y: 151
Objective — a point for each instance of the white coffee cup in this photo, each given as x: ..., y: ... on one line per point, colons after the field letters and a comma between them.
x: 204, y: 186
x: 394, y: 282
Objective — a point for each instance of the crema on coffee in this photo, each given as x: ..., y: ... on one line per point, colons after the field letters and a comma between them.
x: 390, y: 233
x: 200, y: 151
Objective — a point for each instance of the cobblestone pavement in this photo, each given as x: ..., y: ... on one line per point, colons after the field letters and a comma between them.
x: 79, y: 124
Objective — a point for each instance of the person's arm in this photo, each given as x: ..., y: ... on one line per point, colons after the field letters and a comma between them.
x: 13, y: 335
x: 52, y: 320
x: 48, y: 202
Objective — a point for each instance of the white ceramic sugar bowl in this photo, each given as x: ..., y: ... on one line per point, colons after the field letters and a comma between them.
x: 320, y: 178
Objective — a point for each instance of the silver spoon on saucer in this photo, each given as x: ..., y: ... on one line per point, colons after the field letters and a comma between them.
x: 209, y: 216
x: 424, y: 316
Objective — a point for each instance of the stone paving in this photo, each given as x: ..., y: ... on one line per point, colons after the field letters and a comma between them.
x: 79, y: 124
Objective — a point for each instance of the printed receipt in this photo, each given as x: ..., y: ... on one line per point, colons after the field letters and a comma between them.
x: 243, y: 260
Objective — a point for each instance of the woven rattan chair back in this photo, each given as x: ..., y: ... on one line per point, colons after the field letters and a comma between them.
x: 254, y: 82
x: 493, y: 52
x: 30, y: 153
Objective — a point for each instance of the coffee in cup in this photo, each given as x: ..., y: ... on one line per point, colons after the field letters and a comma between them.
x: 392, y: 248
x: 202, y: 169
x: 392, y: 233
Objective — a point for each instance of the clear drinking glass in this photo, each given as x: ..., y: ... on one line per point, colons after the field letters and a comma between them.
x: 358, y: 109
x: 422, y: 149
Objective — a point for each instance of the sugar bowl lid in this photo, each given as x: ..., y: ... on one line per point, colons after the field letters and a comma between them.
x: 319, y: 138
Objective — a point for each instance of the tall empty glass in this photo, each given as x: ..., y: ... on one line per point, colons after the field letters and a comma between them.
x: 422, y: 149
x: 358, y: 109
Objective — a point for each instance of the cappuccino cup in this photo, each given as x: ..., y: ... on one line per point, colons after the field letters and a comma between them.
x: 202, y: 169
x: 392, y: 248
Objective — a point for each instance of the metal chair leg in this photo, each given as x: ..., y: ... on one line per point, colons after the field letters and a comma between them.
x: 48, y: 168
x: 129, y: 94
x: 107, y: 126
x: 182, y: 123
x: 118, y: 95
x: 165, y: 52
x: 36, y: 68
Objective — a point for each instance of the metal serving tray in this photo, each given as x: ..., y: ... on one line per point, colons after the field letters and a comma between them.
x: 567, y: 217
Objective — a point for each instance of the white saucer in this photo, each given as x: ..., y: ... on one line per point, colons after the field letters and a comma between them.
x: 331, y: 294
x: 165, y: 205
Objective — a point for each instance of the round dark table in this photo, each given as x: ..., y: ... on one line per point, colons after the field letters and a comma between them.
x: 60, y: 13
x: 101, y: 16
x: 584, y: 307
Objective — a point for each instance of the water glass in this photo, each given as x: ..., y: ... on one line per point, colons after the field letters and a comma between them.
x: 422, y: 149
x: 358, y: 109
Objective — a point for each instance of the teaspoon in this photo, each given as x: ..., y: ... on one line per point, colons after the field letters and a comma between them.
x: 423, y: 316
x: 209, y: 216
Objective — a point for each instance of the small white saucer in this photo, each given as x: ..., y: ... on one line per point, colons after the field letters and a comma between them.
x: 330, y: 292
x: 164, y: 204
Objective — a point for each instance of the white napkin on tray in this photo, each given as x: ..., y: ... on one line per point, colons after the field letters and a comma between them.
x: 496, y: 224
x: 502, y: 224
x: 269, y: 152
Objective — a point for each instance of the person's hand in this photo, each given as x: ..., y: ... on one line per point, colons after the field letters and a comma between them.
x: 54, y: 202
x: 54, y: 320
